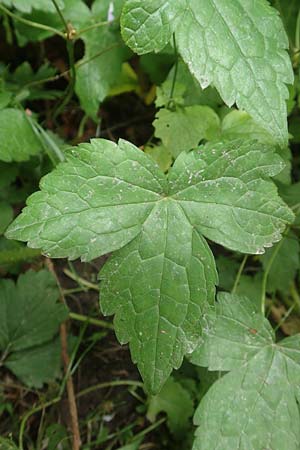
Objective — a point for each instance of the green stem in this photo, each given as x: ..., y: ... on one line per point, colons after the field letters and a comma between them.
x: 91, y: 321
x: 92, y: 27
x: 46, y: 142
x: 70, y: 49
x: 96, y: 55
x: 297, y: 35
x: 287, y: 314
x: 66, y: 72
x: 8, y: 29
x: 295, y: 295
x: 150, y: 428
x: 109, y: 384
x: 266, y: 275
x: 30, y: 23
x: 64, y: 22
x: 175, y: 72
x: 30, y: 413
x: 238, y: 276
x: 80, y: 280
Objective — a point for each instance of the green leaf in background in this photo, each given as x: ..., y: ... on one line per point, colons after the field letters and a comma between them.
x: 184, y: 128
x: 186, y: 90
x: 227, y: 270
x: 18, y: 141
x: 6, y: 216
x: 75, y: 12
x: 107, y: 197
x: 101, y: 65
x: 251, y: 287
x: 38, y: 365
x: 29, y: 320
x: 291, y: 195
x: 26, y: 82
x: 7, y: 444
x: 161, y: 155
x: 26, y: 6
x: 176, y: 402
x: 245, y: 60
x: 255, y: 405
x: 8, y: 174
x: 289, y: 13
x: 239, y: 125
x: 285, y: 264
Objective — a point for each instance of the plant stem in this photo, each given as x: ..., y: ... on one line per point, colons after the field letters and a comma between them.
x: 238, y: 276
x: 64, y: 22
x: 295, y: 295
x: 92, y: 27
x: 70, y: 49
x: 175, y: 72
x: 266, y: 274
x: 30, y: 413
x: 66, y: 72
x: 91, y: 321
x: 150, y: 428
x: 287, y: 314
x: 109, y: 384
x: 47, y: 142
x: 297, y: 35
x: 80, y: 280
x: 30, y: 23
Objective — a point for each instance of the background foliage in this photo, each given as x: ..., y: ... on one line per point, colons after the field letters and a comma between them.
x: 194, y: 186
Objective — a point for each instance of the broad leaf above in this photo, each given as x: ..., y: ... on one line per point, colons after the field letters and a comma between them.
x: 244, y: 58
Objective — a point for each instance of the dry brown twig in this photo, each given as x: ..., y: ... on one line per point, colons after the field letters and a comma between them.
x: 66, y: 363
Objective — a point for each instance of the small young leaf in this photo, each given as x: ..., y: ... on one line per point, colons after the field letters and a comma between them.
x: 255, y: 405
x: 184, y: 128
x: 244, y: 59
x: 161, y: 155
x: 17, y: 139
x: 176, y: 402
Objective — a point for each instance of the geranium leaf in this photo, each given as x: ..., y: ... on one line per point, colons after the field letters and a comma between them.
x: 107, y: 197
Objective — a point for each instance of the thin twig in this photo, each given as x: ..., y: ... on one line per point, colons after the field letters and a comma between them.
x: 237, y: 280
x: 66, y: 363
x: 30, y: 23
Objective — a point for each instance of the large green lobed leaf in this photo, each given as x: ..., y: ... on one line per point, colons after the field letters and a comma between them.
x: 158, y: 284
